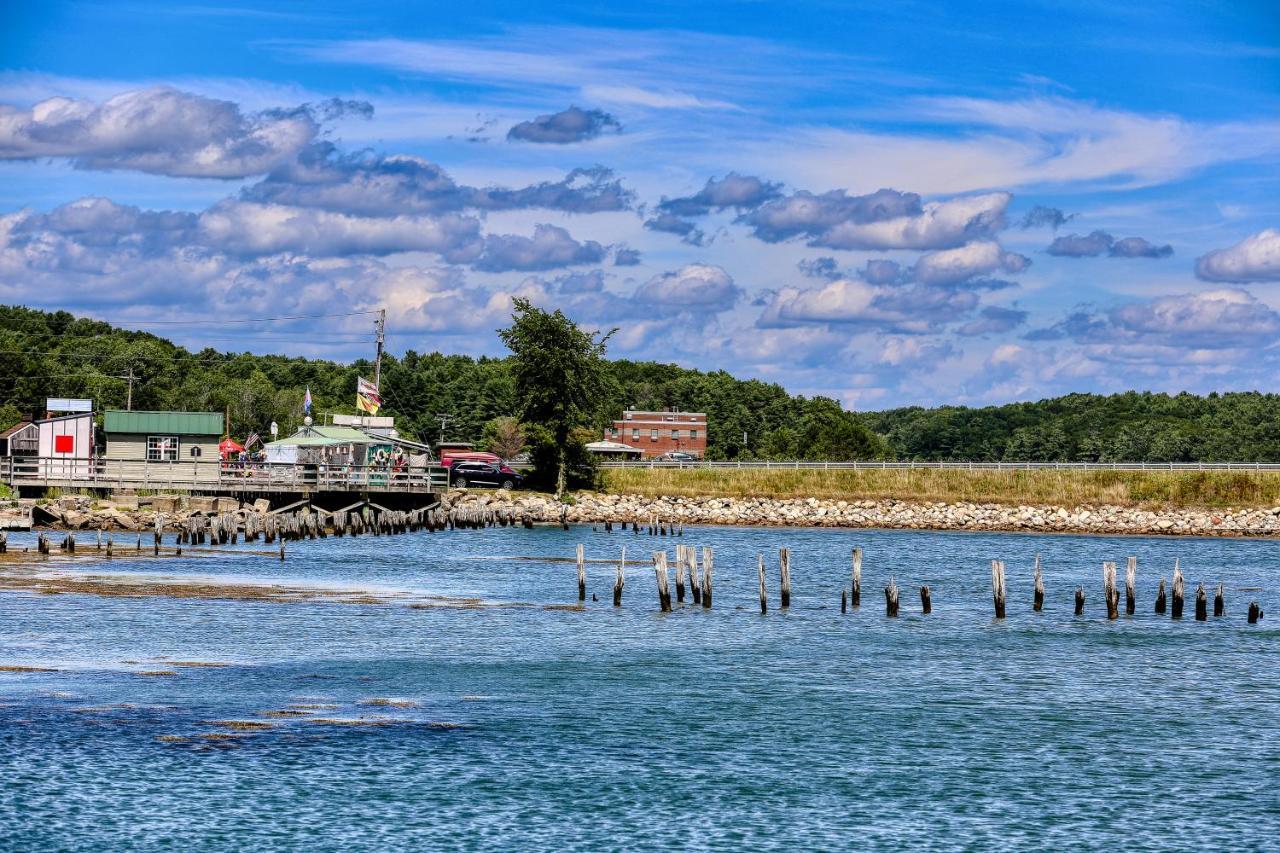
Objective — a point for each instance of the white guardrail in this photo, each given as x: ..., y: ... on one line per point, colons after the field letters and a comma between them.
x: 950, y: 466
x: 218, y: 476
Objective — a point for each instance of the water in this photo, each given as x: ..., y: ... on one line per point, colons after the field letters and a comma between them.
x: 541, y: 728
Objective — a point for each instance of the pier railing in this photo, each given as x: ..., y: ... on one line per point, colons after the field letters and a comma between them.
x: 215, y: 476
x: 874, y: 465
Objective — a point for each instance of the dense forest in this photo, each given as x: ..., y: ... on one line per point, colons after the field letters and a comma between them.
x: 56, y: 354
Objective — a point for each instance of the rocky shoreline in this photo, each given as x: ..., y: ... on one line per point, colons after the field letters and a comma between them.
x: 134, y: 514
x: 594, y: 508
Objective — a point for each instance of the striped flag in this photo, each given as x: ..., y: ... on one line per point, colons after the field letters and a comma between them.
x: 248, y: 442
x: 367, y: 397
x: 306, y: 402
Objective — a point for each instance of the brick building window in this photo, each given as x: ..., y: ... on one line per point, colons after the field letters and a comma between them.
x: 653, y: 435
x: 693, y: 434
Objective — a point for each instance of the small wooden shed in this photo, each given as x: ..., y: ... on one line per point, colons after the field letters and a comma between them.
x: 161, y: 439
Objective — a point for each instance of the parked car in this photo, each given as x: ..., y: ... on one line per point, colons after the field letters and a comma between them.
x: 677, y: 456
x: 464, y: 473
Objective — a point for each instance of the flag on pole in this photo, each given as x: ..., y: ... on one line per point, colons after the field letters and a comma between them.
x: 306, y: 402
x: 248, y: 442
x: 368, y: 399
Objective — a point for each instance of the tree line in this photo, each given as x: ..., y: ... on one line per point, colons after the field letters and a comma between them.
x: 46, y: 354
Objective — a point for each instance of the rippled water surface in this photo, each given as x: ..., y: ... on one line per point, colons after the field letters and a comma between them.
x: 527, y: 727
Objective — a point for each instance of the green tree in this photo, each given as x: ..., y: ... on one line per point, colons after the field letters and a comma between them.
x: 559, y: 374
x: 504, y: 436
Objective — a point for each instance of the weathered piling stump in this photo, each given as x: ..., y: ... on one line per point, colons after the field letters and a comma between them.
x: 1037, y: 601
x: 708, y: 565
x: 110, y: 544
x: 42, y: 544
x: 1161, y: 598
x: 1109, y: 591
x: 998, y: 590
x: 695, y: 585
x: 1219, y: 602
x: 1179, y: 591
x: 681, y: 565
x: 1255, y: 613
x: 1079, y: 601
x: 844, y: 600
x: 582, y: 574
x: 764, y: 595
x: 4, y: 542
x: 1202, y: 603
x: 891, y: 598
x: 784, y: 573
x: 855, y: 591
x: 282, y: 549
x: 660, y: 570
x: 620, y: 580
x: 926, y: 601
x: 1131, y: 586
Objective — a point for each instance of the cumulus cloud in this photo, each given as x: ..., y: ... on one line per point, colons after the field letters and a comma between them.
x: 948, y: 266
x: 669, y: 223
x: 1040, y: 216
x: 549, y: 247
x: 625, y: 257
x: 742, y: 192
x: 914, y: 352
x: 383, y: 185
x: 909, y: 310
x: 566, y: 126
x: 824, y: 267
x: 885, y: 219
x: 1255, y: 258
x: 1100, y: 242
x: 166, y: 132
x: 694, y: 287
x: 245, y: 228
x: 1228, y: 318
x: 580, y: 282
x: 993, y: 320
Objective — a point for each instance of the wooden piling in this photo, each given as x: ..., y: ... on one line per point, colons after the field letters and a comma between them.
x: 708, y: 565
x: 784, y: 572
x: 1037, y: 603
x: 1255, y: 613
x: 998, y: 587
x: 764, y: 595
x: 1219, y: 602
x: 4, y: 542
x: 1079, y: 600
x: 1161, y: 598
x: 1131, y: 586
x: 621, y: 578
x: 282, y: 549
x: 1202, y: 603
x: 681, y: 565
x: 110, y: 543
x: 1179, y: 591
x: 926, y: 601
x: 855, y: 591
x: 891, y: 598
x: 695, y: 585
x: 1109, y: 591
x: 660, y: 570
x: 582, y: 574
x: 844, y: 600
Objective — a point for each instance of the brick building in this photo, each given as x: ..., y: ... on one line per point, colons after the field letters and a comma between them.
x: 656, y: 433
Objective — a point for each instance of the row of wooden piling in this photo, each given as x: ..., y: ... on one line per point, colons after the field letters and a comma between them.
x: 687, y: 565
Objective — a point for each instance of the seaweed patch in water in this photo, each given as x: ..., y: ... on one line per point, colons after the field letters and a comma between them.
x: 389, y: 703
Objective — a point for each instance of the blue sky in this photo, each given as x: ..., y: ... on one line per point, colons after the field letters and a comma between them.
x: 919, y: 204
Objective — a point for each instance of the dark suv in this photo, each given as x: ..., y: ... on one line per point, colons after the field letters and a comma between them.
x: 463, y: 474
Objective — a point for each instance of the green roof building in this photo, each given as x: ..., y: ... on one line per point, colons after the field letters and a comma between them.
x: 164, y: 439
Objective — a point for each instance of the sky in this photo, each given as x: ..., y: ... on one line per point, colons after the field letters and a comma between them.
x: 910, y: 203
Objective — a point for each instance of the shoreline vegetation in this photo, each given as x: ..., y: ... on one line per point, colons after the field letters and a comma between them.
x: 1063, y: 488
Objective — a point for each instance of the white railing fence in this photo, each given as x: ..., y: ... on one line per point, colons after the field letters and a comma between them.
x: 220, y: 476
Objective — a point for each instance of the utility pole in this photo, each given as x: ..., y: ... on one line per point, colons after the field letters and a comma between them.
x: 444, y: 419
x: 128, y: 404
x: 380, y: 327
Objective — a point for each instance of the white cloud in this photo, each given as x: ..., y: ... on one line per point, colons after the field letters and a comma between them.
x: 1255, y: 258
x: 973, y: 259
x: 694, y: 287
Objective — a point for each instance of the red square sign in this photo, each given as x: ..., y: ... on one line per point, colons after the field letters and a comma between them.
x: 64, y: 444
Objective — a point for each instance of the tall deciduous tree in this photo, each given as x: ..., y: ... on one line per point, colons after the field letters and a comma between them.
x: 559, y: 374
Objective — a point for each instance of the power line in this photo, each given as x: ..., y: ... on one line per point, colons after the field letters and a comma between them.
x: 244, y: 319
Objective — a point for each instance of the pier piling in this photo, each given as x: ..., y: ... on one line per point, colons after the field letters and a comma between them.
x: 855, y: 591
x: 1202, y: 603
x: 1161, y: 598
x: 1037, y: 602
x: 891, y: 598
x: 582, y: 574
x: 926, y: 601
x: 1079, y: 601
x: 620, y: 579
x: 682, y: 558
x: 708, y: 565
x: 1109, y: 591
x: 660, y: 570
x: 784, y: 573
x: 1255, y: 613
x: 1179, y: 591
x: 764, y: 595
x: 1219, y: 602
x: 998, y: 587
